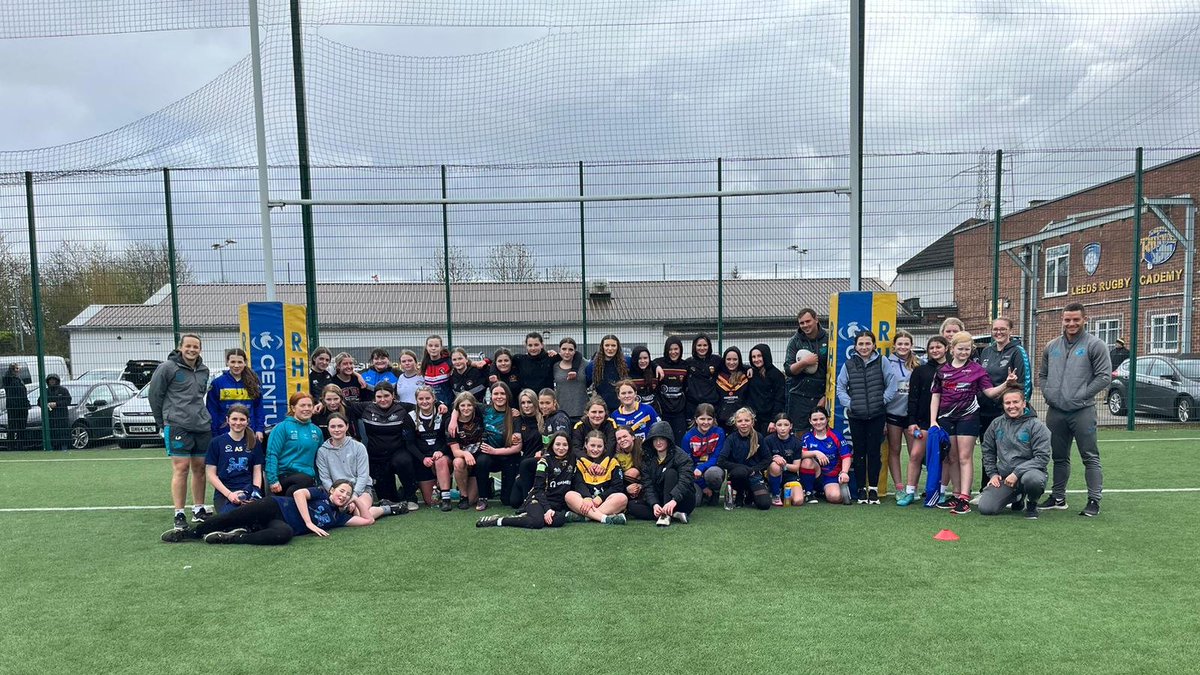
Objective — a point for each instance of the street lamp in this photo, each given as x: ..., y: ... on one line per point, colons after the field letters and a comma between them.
x: 801, y: 252
x: 220, y: 247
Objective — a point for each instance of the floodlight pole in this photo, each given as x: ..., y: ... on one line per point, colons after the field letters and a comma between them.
x: 260, y: 140
x: 857, y: 13
x: 306, y: 212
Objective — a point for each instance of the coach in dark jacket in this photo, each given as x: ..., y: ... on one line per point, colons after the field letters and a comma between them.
x: 16, y: 404
x: 58, y: 399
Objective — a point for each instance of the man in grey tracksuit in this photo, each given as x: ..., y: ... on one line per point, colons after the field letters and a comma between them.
x: 1016, y: 451
x: 1075, y: 367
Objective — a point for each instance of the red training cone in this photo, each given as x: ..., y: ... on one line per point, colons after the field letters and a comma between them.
x: 946, y: 535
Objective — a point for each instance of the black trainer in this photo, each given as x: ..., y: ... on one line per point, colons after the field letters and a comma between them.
x: 180, y: 521
x: 176, y: 535
x: 230, y: 537
x: 872, y: 496
x: 1053, y: 503
x: 488, y: 521
x: 1031, y: 510
x: 464, y: 504
x: 446, y: 505
x: 1018, y: 504
x: 1091, y: 510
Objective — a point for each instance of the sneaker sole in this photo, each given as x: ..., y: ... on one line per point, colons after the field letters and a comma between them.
x: 1085, y: 514
x: 1061, y: 506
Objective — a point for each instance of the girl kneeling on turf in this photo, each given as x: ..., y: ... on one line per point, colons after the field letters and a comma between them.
x: 546, y: 505
x: 824, y: 453
x: 784, y: 450
x: 598, y: 492
x: 275, y: 520
x: 234, y: 463
x: 744, y: 463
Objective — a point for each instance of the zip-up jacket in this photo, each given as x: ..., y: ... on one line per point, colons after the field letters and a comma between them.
x: 176, y: 394
x: 702, y: 380
x: 919, y: 393
x: 607, y: 388
x: 898, y: 406
x: 227, y: 392
x: 1016, y: 445
x: 653, y: 480
x: 807, y: 385
x: 997, y: 363
x: 864, y: 388
x: 1072, y: 373
x: 736, y: 452
x: 384, y: 429
x: 766, y: 394
x: 292, y: 448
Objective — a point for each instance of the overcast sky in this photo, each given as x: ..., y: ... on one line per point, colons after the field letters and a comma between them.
x: 600, y: 81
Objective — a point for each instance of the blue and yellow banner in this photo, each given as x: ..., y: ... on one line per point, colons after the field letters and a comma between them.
x: 850, y: 313
x: 275, y: 336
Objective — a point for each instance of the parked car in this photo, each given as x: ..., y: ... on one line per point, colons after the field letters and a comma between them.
x: 133, y: 424
x: 1166, y: 385
x: 91, y: 411
x: 139, y: 371
x: 98, y: 374
x: 55, y: 365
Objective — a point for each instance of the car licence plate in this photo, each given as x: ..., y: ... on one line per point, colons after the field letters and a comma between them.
x: 143, y: 429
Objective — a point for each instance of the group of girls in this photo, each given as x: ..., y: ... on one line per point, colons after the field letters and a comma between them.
x: 900, y: 398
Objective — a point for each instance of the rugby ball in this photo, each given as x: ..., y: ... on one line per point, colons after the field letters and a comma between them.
x: 803, y: 354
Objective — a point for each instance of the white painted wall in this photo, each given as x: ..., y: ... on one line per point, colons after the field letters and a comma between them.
x: 935, y: 288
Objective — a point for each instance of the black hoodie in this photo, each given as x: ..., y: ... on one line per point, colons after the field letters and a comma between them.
x: 702, y: 377
x: 766, y: 394
x: 671, y: 395
x: 652, y: 470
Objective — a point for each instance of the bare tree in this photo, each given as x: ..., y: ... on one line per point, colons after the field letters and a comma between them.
x: 147, y: 266
x: 460, y: 267
x: 512, y: 261
x: 562, y: 273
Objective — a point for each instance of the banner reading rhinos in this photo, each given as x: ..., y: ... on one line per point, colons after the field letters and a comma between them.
x: 848, y: 314
x: 276, y: 338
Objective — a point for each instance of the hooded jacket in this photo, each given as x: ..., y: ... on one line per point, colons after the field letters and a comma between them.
x: 702, y: 377
x: 811, y: 386
x: 643, y: 381
x: 1016, y: 445
x: 653, y: 471
x: 606, y: 388
x: 766, y: 394
x: 997, y: 363
x: 176, y: 394
x: 534, y: 372
x: 671, y: 395
x: 1072, y: 373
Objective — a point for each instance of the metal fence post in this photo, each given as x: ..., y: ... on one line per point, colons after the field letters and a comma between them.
x: 583, y: 290
x: 446, y: 258
x: 38, y: 328
x: 1135, y: 290
x: 996, y: 238
x: 306, y: 211
x: 720, y: 263
x: 174, y: 279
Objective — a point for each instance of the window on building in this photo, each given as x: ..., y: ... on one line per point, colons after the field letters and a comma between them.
x: 1107, y: 330
x: 1057, y: 265
x: 1164, y: 333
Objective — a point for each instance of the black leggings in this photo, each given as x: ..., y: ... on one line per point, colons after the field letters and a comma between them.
x: 640, y: 510
x: 533, y: 517
x: 524, y: 483
x: 383, y: 470
x: 867, y: 437
x: 750, y: 485
x: 262, y: 517
x: 507, y: 465
x: 290, y: 482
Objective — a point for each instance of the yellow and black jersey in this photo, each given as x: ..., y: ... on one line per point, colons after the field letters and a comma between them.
x: 599, y: 478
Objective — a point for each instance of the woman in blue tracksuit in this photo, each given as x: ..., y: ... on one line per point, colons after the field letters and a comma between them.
x: 238, y: 385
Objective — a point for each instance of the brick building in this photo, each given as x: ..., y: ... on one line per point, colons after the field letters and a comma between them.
x: 1079, y: 248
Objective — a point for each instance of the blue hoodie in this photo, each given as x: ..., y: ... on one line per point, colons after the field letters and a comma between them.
x: 292, y: 448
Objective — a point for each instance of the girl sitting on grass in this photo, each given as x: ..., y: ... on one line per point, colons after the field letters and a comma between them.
x: 546, y: 505
x: 598, y: 491
x: 234, y: 463
x: 274, y: 521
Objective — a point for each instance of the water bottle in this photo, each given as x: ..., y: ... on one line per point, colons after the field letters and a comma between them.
x: 454, y: 495
x: 917, y: 433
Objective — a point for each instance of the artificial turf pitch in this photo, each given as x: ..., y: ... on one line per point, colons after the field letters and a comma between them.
x: 820, y: 588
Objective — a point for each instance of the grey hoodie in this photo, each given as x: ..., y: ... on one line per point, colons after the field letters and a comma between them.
x: 177, y: 392
x: 1016, y: 446
x: 1072, y: 373
x: 348, y: 461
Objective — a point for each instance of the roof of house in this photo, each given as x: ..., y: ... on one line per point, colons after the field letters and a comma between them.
x: 484, y: 304
x: 939, y: 254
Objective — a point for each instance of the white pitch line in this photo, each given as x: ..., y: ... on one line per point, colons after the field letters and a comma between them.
x: 52, y: 509
x: 86, y: 459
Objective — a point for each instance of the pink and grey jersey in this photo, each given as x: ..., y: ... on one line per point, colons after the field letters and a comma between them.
x: 959, y: 388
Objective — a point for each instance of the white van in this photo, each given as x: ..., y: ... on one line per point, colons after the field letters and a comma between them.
x: 29, y: 367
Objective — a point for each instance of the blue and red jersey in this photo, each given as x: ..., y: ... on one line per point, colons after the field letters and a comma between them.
x: 832, y: 447
x: 704, y: 447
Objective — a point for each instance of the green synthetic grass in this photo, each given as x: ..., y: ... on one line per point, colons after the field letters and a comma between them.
x: 831, y: 588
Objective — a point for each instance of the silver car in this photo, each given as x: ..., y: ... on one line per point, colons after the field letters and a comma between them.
x: 1166, y: 385
x: 133, y: 424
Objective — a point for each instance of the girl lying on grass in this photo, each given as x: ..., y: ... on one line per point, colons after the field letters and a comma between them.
x: 275, y: 520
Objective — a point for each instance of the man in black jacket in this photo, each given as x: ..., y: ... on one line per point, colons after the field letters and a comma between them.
x: 16, y: 403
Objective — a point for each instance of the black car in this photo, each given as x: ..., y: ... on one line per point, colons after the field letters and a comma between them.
x: 91, y: 411
x: 139, y: 371
x: 1166, y: 385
